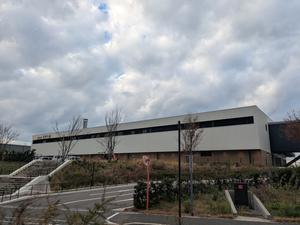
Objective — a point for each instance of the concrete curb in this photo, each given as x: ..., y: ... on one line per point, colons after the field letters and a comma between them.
x: 229, y: 199
x: 259, y: 206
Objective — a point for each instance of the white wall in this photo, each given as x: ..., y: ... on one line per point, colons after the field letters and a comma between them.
x: 261, y: 120
x: 238, y: 137
x: 217, y: 138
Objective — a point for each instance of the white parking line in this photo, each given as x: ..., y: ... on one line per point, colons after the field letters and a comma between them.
x: 45, y: 207
x: 66, y: 193
x: 110, y: 217
x: 124, y: 200
x: 143, y: 223
x: 125, y: 190
x: 122, y: 209
x: 33, y: 219
x: 93, y: 199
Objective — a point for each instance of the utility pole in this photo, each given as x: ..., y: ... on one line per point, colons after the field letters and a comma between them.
x: 179, y: 172
x: 191, y: 182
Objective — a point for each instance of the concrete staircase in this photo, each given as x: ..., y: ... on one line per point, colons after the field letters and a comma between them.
x: 9, y: 185
x: 13, y: 182
x: 38, y: 168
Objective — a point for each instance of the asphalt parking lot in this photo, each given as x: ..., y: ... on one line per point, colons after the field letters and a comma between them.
x: 119, y: 198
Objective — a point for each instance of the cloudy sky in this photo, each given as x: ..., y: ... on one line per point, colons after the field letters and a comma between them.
x: 151, y: 58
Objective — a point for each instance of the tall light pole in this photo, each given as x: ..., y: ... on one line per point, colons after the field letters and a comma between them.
x: 179, y: 172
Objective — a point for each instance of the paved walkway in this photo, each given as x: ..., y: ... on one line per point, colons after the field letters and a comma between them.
x: 129, y: 218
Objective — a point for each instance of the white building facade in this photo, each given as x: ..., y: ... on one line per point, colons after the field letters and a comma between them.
x: 237, y: 136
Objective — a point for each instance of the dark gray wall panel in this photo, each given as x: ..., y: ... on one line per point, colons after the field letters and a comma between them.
x: 280, y: 143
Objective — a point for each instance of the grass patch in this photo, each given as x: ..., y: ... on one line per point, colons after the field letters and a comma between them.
x: 79, y: 174
x: 205, y: 204
x: 212, y: 204
x: 7, y: 167
x: 281, y: 201
x: 83, y: 173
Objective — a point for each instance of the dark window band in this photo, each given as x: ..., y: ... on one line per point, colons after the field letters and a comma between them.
x: 204, y: 124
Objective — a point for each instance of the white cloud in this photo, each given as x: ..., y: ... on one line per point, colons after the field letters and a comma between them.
x: 151, y: 58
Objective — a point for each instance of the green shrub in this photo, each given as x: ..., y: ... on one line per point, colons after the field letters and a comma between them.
x: 187, y: 206
x: 219, y: 207
x: 288, y: 210
x: 139, y: 196
x: 167, y: 190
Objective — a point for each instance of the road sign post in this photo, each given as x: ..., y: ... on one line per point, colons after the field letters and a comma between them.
x: 146, y: 161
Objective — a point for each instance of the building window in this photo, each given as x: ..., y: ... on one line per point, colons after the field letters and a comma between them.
x: 173, y: 127
x: 206, y: 154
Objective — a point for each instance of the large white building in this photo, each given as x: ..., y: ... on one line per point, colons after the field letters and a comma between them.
x: 237, y: 136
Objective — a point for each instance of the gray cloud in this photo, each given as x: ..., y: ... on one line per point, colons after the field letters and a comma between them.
x: 151, y: 58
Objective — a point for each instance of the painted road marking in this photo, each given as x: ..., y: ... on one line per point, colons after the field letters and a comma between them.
x: 110, y: 217
x: 65, y: 193
x: 125, y: 190
x: 143, y: 223
x: 46, y: 207
x: 124, y: 200
x: 122, y: 209
x: 93, y: 199
x: 29, y: 220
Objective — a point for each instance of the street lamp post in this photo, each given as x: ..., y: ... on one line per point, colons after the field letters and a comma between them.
x: 179, y: 172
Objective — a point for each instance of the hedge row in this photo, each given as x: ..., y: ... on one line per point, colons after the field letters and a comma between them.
x: 167, y: 190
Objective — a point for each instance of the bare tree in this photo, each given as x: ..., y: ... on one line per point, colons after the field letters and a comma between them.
x: 191, y: 133
x: 191, y: 137
x: 68, y: 136
x: 110, y: 140
x: 292, y: 130
x: 7, y: 135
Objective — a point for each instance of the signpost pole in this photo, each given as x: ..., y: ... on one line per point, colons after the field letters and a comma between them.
x: 146, y: 161
x: 148, y: 187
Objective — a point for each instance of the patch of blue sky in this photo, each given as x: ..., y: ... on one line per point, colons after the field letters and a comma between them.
x: 103, y: 7
x: 107, y: 37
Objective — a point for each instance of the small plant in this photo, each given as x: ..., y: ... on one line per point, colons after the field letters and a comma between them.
x: 139, y: 196
x: 187, y: 206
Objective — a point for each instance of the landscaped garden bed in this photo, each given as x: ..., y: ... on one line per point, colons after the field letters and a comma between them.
x: 208, y: 199
x: 282, y: 202
x: 278, y: 188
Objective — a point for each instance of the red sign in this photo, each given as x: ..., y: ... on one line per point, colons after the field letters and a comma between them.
x: 146, y: 160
